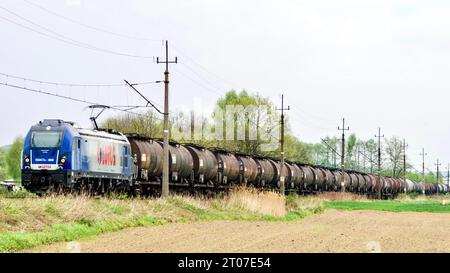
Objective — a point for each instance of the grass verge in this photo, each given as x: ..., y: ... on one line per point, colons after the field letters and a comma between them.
x: 391, y: 205
x: 27, y: 221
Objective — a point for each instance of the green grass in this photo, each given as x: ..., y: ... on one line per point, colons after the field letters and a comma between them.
x: 27, y: 221
x: 389, y: 205
x: 14, y: 241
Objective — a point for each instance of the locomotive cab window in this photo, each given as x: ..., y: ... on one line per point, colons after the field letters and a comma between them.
x: 46, y: 139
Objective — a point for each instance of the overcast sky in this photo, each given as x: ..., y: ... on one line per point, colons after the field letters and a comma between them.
x: 377, y: 63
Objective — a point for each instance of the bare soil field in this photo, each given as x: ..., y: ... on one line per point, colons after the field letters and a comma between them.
x: 331, y: 231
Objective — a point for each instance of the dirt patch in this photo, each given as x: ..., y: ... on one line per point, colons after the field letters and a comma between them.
x: 331, y: 231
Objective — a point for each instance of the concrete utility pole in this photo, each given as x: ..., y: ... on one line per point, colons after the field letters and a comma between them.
x: 448, y: 174
x: 358, y: 167
x: 379, y: 136
x: 364, y: 158
x: 165, y: 180
x: 437, y: 170
x: 423, y: 154
x: 371, y: 162
x: 282, y: 109
x: 343, y: 129
x: 404, y: 146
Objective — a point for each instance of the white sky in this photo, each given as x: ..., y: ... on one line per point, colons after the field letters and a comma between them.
x: 376, y: 63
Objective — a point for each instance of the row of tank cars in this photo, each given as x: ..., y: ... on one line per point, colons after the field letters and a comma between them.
x: 59, y: 154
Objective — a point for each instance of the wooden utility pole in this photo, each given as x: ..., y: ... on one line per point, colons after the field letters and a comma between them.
x: 165, y: 180
x: 379, y: 136
x: 282, y: 109
x: 423, y: 154
x: 343, y: 129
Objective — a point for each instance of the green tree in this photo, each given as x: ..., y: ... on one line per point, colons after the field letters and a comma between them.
x: 148, y: 124
x: 13, y: 158
x: 351, y: 143
x: 255, y: 113
x: 3, y: 166
x: 394, y: 154
x: 297, y: 151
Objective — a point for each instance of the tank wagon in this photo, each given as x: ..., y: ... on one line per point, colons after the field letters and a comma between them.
x: 58, y: 154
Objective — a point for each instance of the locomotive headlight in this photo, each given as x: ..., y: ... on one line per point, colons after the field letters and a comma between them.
x: 27, y: 161
x: 63, y: 160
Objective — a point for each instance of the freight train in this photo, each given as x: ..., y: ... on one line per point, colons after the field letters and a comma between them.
x: 59, y: 155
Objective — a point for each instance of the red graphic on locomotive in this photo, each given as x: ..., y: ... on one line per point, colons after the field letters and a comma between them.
x: 106, y: 155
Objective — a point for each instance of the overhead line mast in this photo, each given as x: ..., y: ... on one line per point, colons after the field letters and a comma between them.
x: 343, y: 129
x: 379, y: 136
x: 423, y: 154
x: 282, y: 178
x: 165, y: 179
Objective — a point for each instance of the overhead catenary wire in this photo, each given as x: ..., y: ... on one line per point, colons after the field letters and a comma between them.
x: 220, y: 94
x: 65, y: 39
x: 209, y: 86
x: 308, y: 123
x: 149, y: 102
x: 304, y: 113
x: 73, y: 84
x: 199, y: 75
x: 89, y: 26
x: 70, y: 98
x: 204, y: 68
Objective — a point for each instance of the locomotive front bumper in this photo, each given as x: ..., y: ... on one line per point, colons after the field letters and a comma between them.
x: 41, y: 181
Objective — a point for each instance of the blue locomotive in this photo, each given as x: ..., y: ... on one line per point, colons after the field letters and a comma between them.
x: 59, y: 154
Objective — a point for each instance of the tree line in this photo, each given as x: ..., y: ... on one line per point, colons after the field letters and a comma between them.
x: 361, y: 155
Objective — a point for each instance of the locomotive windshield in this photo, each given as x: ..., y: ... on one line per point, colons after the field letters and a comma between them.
x: 46, y: 139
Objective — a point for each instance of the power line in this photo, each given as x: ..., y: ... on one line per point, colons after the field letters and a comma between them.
x: 73, y: 84
x: 220, y: 94
x: 61, y: 84
x: 65, y: 39
x: 88, y: 26
x: 307, y: 122
x: 232, y: 83
x: 198, y: 75
x: 214, y: 88
x: 314, y: 116
x: 69, y: 98
x: 204, y: 68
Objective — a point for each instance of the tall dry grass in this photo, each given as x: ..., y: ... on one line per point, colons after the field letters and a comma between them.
x: 344, y: 196
x: 263, y: 202
x: 35, y: 214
